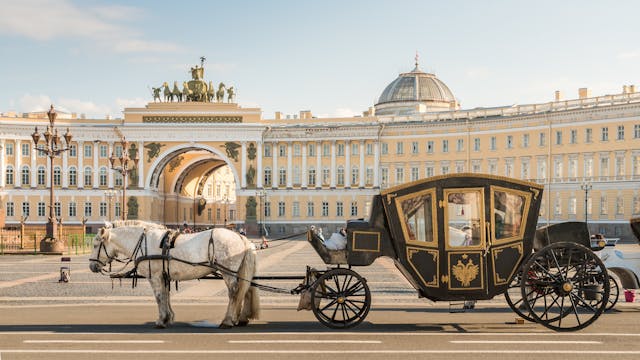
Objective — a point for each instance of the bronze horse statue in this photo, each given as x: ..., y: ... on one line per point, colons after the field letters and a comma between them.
x: 220, y: 93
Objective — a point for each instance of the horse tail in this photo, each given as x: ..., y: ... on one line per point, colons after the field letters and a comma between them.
x: 246, y: 271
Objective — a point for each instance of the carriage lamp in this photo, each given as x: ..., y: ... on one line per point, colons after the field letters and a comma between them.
x: 126, y: 165
x: 52, y: 149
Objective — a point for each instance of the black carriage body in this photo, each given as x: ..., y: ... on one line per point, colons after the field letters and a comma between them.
x: 462, y: 236
x: 635, y: 227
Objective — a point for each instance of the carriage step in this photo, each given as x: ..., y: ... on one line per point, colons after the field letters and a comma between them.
x: 461, y: 306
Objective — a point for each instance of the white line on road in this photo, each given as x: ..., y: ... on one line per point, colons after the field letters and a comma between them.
x: 305, y: 342
x: 245, y: 351
x: 94, y: 341
x: 522, y: 342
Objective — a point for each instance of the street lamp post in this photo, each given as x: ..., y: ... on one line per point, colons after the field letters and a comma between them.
x: 127, y: 165
x: 53, y: 148
x: 261, y: 194
x: 586, y: 186
x: 110, y: 194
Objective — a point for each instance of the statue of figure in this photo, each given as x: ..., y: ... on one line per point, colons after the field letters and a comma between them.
x: 231, y: 94
x: 220, y: 93
x: 197, y: 73
x: 211, y: 92
x: 176, y: 91
x: 156, y: 94
x: 251, y: 151
x: 251, y: 207
x: 168, y: 95
x: 251, y: 174
x: 186, y: 92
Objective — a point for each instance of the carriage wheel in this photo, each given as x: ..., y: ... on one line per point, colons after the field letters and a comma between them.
x: 614, y: 293
x: 513, y: 295
x: 571, y: 286
x: 341, y: 298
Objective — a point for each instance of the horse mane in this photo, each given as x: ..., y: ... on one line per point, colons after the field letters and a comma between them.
x: 138, y: 223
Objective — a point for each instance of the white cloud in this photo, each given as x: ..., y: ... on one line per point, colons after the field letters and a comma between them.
x: 45, y: 20
x: 627, y: 55
x: 121, y: 104
x: 31, y: 103
x: 344, y: 112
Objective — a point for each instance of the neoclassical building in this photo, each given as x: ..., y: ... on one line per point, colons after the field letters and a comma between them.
x: 208, y: 161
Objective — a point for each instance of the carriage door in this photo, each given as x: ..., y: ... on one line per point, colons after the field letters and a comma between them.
x: 465, y: 240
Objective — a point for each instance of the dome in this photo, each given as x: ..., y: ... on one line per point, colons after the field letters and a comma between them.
x: 415, y: 92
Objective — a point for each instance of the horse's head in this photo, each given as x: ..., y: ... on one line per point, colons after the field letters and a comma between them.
x: 103, y: 249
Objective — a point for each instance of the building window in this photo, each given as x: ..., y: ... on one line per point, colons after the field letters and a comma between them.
x: 369, y: 176
x: 339, y: 209
x: 9, y: 175
x: 326, y: 176
x: 310, y: 209
x: 311, y: 149
x: 635, y: 164
x: 542, y: 168
x: 620, y: 132
x: 296, y: 175
x: 42, y: 210
x: 604, y: 208
x: 325, y: 209
x: 267, y: 150
x: 572, y: 205
x: 281, y: 209
x: 340, y: 149
x: 267, y: 210
x: 103, y: 210
x: 57, y: 176
x: 355, y: 149
x: 117, y: 210
x: 311, y: 175
x: 354, y: 208
x: 384, y: 176
x: 57, y: 209
x: 445, y: 146
x: 10, y: 209
x: 509, y: 141
x: 104, y: 154
x: 558, y: 206
x: 88, y: 210
x: 493, y: 143
x: 429, y: 171
x: 525, y: 140
x: 295, y: 209
x: 326, y: 150
x: 399, y: 148
x: 355, y: 176
x: 588, y: 135
x: 636, y: 205
x: 605, y: 134
x: 620, y: 205
x: 460, y: 145
x: 542, y: 139
x: 8, y: 150
x: 476, y: 168
x: 384, y: 149
x: 282, y: 150
x: 369, y: 149
x: 588, y: 168
x: 573, y: 169
x: 444, y: 169
x: 118, y: 179
x: 557, y: 169
x: 25, y: 149
x: 558, y: 137
x: 429, y: 147
x: 415, y: 173
x: 604, y: 168
x: 508, y: 168
x: 619, y: 167
x: 340, y: 175
x: 476, y: 144
x: 267, y: 177
x: 103, y: 176
x: 87, y: 176
x: 88, y: 149
x: 41, y: 151
x: 399, y: 175
x: 574, y: 137
x: 26, y: 179
x: 414, y: 147
x: 73, y: 150
x: 73, y: 176
x: 636, y: 131
x: 525, y: 170
x: 296, y: 149
x: 72, y: 209
x: 282, y: 178
x: 25, y: 209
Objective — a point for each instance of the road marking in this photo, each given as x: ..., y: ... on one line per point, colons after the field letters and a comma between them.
x: 304, y: 342
x: 246, y: 351
x: 522, y: 342
x: 94, y: 341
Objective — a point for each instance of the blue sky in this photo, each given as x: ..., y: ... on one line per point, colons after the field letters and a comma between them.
x: 331, y: 57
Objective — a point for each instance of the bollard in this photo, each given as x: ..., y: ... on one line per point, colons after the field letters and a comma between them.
x: 65, y: 271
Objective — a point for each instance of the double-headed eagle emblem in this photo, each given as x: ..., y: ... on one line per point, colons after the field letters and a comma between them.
x: 465, y: 273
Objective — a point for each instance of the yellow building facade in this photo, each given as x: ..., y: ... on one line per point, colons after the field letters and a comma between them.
x: 213, y: 162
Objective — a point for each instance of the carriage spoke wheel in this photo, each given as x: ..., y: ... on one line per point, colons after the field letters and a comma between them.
x: 514, y: 298
x: 565, y: 285
x: 340, y: 298
x: 614, y: 293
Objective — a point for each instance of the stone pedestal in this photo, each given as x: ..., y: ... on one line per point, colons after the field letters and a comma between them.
x: 52, y: 245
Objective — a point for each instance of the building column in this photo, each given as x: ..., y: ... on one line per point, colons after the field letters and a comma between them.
x: 347, y: 165
x: 110, y: 173
x: 80, y: 154
x: 17, y: 156
x: 141, y: 164
x: 304, y: 166
x: 96, y: 170
x: 376, y: 164
x: 34, y: 168
x: 3, y: 169
x: 362, y: 171
x: 332, y: 185
x: 243, y: 166
x: 289, y: 166
x: 318, y: 165
x: 64, y: 171
x: 260, y: 175
x: 274, y: 173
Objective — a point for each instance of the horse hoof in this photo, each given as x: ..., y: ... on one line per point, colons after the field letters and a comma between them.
x: 225, y: 326
x: 243, y: 323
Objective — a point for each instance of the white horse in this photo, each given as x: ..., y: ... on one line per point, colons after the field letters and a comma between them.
x: 193, y: 257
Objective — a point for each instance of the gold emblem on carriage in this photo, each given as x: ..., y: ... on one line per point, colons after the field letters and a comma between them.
x: 465, y: 273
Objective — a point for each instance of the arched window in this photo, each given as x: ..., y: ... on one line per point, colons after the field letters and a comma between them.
x: 42, y: 176
x: 355, y: 176
x: 73, y: 176
x: 312, y: 176
x: 57, y: 174
x: 25, y: 176
x: 267, y: 176
x: 283, y: 177
x: 103, y: 176
x: 118, y: 178
x: 87, y: 176
x: 340, y: 175
x: 9, y: 177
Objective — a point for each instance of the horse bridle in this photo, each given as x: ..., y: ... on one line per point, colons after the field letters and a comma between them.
x: 111, y: 258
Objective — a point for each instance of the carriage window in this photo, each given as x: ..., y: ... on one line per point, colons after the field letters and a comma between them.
x: 464, y: 217
x: 508, y: 213
x: 417, y: 214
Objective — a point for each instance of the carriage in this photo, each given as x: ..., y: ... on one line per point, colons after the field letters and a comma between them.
x: 465, y: 237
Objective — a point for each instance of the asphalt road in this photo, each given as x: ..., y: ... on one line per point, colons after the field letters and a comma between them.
x: 93, y: 317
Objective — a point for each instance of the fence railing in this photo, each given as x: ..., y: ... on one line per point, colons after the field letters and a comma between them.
x: 12, y: 241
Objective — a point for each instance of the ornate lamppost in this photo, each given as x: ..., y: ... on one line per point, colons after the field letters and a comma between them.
x: 127, y: 165
x: 586, y: 186
x: 53, y: 148
x: 110, y: 194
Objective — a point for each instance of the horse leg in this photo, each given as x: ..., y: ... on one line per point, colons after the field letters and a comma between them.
x: 161, y: 293
x: 232, y: 288
x: 250, y: 308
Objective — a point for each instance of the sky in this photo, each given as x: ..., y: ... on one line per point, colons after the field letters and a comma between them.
x: 331, y: 57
